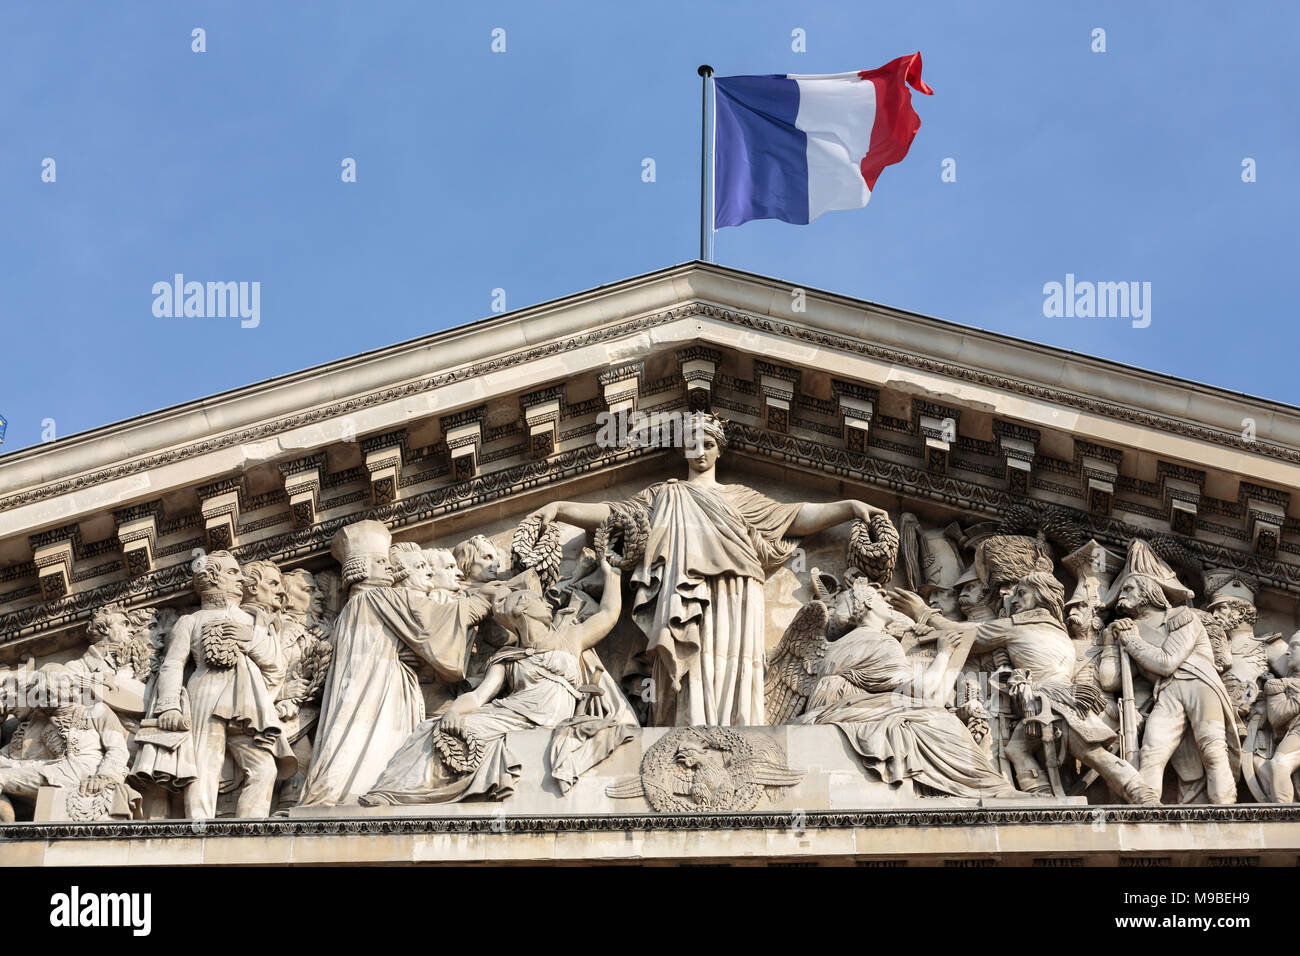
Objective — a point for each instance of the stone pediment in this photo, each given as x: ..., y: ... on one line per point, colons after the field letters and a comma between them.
x: 496, y: 417
x: 864, y: 447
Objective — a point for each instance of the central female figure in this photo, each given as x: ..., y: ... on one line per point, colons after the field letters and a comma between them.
x: 699, y: 587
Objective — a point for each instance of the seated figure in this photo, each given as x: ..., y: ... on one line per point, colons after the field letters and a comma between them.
x: 892, y: 714
x: 463, y: 751
x: 63, y: 742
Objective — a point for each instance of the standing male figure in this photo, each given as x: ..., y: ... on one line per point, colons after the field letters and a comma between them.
x: 306, y: 651
x: 372, y: 699
x: 1282, y: 699
x: 237, y: 665
x: 1172, y: 648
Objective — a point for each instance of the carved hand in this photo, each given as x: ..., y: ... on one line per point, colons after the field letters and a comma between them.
x: 1122, y: 629
x: 285, y: 709
x: 95, y: 783
x: 294, y: 689
x: 906, y: 601
x: 949, y: 642
x: 171, y: 720
x: 546, y: 513
x: 864, y: 511
x: 453, y: 719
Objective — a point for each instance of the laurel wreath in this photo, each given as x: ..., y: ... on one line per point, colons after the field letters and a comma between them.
x: 461, y: 754
x: 629, y: 527
x: 85, y: 809
x: 535, y: 548
x: 220, y: 646
x: 873, y: 548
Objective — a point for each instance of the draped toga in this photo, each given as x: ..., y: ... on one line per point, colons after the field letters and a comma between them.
x: 699, y: 598
x: 372, y: 700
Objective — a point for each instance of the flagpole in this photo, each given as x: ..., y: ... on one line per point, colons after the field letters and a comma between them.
x: 706, y: 222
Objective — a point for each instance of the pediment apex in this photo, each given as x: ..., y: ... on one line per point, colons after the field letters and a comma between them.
x: 843, y: 391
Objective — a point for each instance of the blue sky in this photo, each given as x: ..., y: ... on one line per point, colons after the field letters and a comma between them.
x: 522, y: 170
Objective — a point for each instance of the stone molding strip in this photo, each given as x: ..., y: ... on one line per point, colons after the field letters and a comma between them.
x: 1095, y: 815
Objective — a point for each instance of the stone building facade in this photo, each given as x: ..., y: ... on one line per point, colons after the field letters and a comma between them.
x: 936, y: 473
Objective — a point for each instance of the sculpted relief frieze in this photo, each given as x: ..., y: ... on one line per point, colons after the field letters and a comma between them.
x: 684, y: 645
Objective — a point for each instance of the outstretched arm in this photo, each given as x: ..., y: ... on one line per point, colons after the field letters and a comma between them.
x: 585, y: 516
x: 816, y: 516
x: 593, y: 630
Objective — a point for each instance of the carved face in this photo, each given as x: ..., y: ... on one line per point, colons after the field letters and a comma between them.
x: 268, y: 590
x: 1293, y: 655
x: 1081, y: 621
x: 702, y: 451
x: 418, y: 573
x: 945, y: 601
x: 159, y: 626
x: 379, y: 571
x: 1130, y: 596
x: 1234, y: 615
x: 972, y: 595
x: 519, y: 609
x: 302, y: 596
x: 112, y: 627
x: 1023, y: 598
x: 229, y: 580
x: 443, y: 573
x: 485, y: 564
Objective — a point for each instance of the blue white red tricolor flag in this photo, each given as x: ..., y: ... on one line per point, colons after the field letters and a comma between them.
x: 793, y: 147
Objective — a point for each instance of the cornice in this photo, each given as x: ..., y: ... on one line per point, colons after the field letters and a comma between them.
x: 1221, y: 437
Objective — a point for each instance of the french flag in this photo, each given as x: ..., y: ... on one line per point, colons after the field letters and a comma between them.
x: 793, y: 147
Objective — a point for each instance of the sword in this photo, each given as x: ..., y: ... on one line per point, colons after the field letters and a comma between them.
x: 1045, y: 718
x: 1248, y: 758
x: 1002, y: 723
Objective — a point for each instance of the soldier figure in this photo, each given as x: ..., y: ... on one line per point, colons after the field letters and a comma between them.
x: 1171, y: 646
x: 1039, y: 649
x: 1282, y: 701
x: 1231, y: 599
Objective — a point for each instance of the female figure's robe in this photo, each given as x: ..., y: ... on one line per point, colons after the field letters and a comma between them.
x: 699, y: 598
x: 898, y: 736
x: 542, y: 692
x: 372, y: 700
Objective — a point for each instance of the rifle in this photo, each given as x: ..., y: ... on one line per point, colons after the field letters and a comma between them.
x: 1127, y: 708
